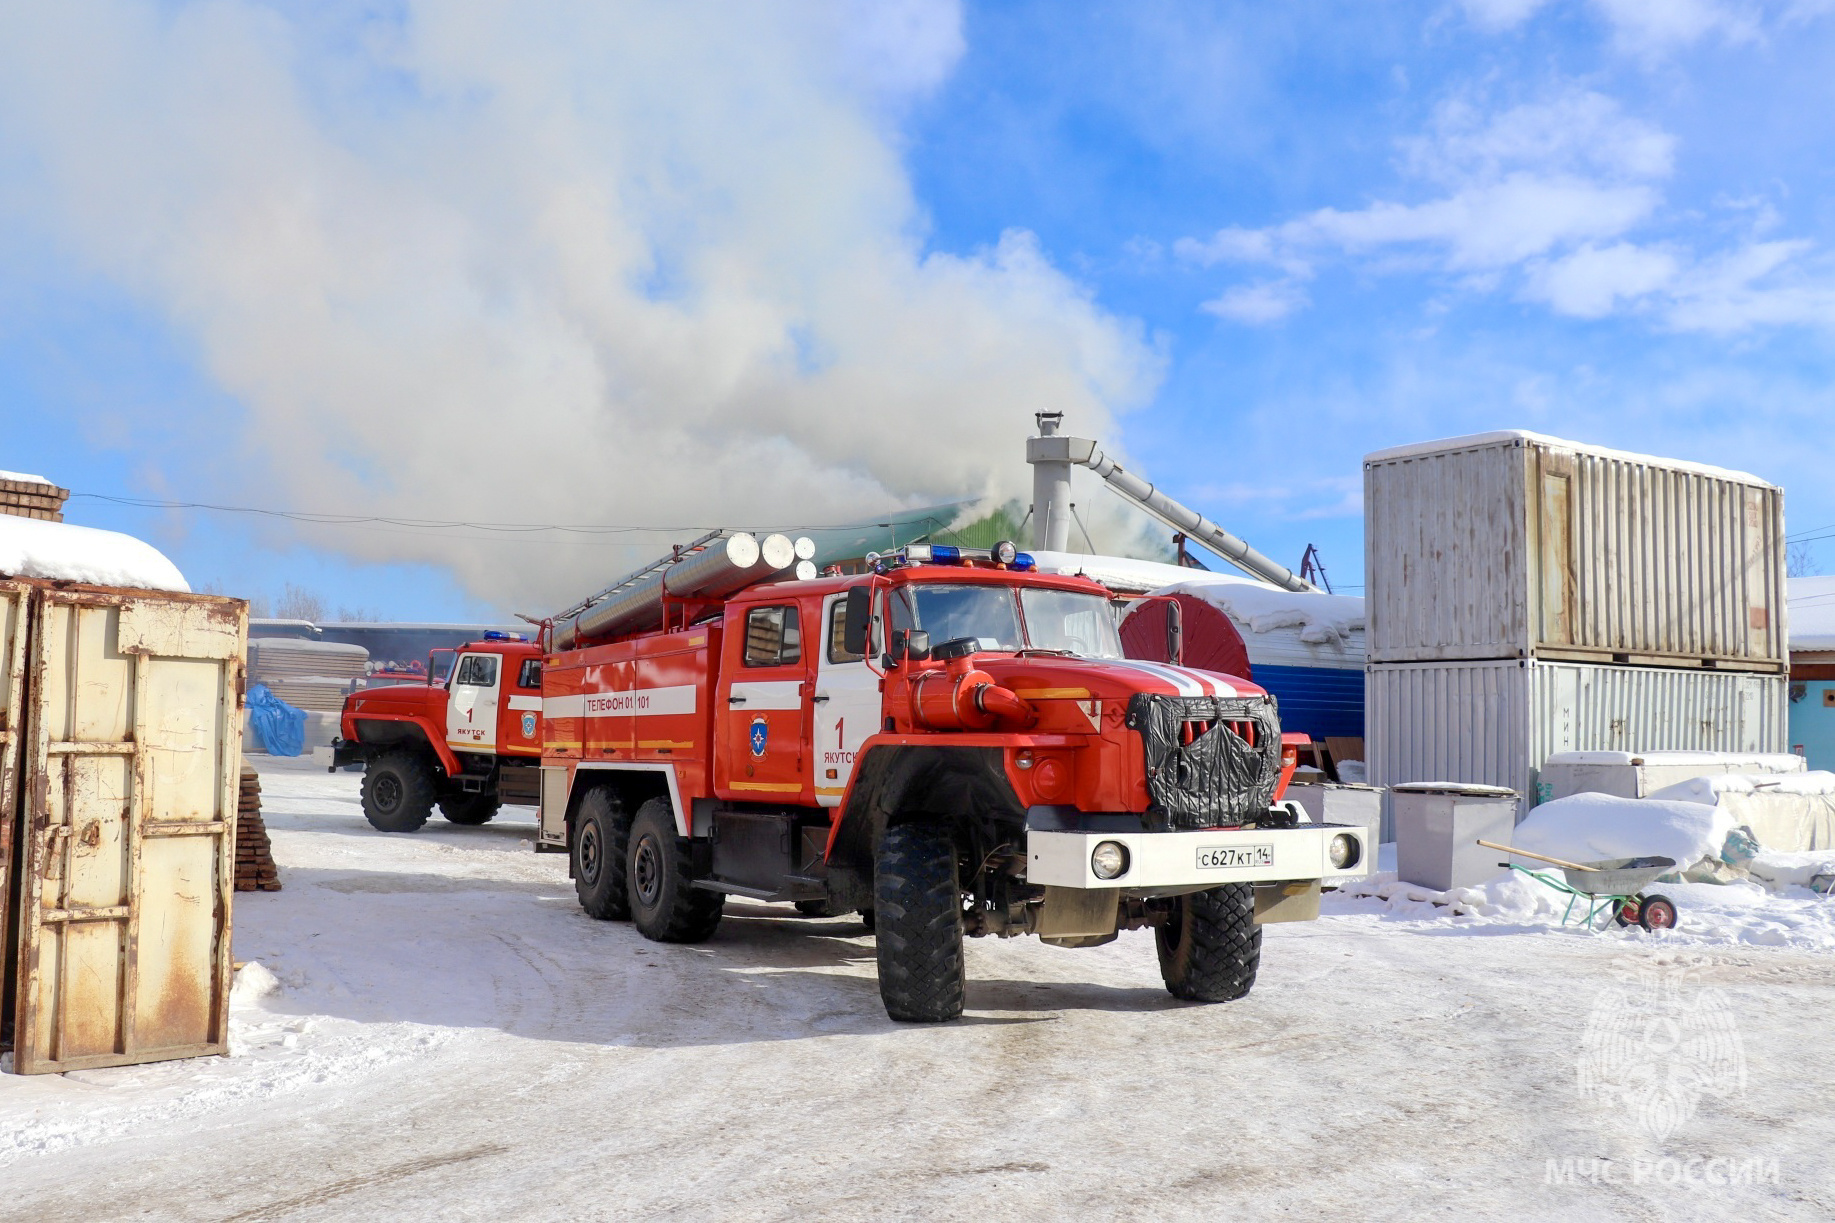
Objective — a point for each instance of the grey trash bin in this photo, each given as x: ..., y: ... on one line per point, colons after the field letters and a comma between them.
x: 1437, y: 828
x: 1331, y: 803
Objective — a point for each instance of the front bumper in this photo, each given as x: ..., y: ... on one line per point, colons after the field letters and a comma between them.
x: 1171, y: 861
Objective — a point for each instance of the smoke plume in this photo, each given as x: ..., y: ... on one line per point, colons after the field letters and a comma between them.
x: 548, y: 262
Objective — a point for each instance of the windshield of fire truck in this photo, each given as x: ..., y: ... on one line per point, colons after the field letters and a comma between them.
x: 1054, y: 619
x: 1066, y: 620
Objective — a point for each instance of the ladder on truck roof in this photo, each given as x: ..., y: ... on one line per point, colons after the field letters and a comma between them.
x: 676, y: 556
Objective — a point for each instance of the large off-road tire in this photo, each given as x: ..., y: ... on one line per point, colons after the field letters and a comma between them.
x: 1210, y: 947
x: 665, y: 904
x: 601, y: 842
x: 470, y: 809
x: 397, y: 792
x: 917, y: 907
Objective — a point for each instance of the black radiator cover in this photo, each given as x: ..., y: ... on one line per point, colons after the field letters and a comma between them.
x: 1217, y: 779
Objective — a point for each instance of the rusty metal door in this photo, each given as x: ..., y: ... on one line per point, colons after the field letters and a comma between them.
x: 15, y: 604
x: 126, y: 855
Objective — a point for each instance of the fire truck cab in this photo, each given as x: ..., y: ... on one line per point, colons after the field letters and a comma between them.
x: 467, y: 739
x: 950, y: 745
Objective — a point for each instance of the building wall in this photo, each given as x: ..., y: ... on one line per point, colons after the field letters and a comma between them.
x: 1812, y: 721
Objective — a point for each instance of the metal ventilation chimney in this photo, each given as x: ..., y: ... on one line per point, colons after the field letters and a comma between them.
x: 1053, y: 456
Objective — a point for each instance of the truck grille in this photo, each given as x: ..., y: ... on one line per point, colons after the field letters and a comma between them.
x: 1210, y: 761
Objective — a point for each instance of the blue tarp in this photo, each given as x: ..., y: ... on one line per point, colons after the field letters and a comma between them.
x: 281, y: 728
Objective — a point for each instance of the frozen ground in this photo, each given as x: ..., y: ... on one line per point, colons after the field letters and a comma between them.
x: 448, y: 1037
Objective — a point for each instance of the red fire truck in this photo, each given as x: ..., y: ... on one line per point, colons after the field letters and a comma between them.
x: 468, y: 742
x: 950, y: 744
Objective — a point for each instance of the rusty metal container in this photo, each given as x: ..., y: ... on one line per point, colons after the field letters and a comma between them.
x: 120, y: 763
x: 1515, y: 545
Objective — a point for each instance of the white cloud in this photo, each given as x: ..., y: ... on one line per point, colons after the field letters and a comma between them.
x: 1258, y: 304
x: 1592, y: 281
x: 552, y: 262
x: 1501, y: 14
x: 1528, y: 183
x: 1654, y: 26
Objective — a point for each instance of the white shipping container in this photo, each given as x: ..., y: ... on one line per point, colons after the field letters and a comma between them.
x: 1515, y: 545
x: 1497, y: 722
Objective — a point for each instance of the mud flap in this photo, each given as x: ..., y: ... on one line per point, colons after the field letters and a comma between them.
x: 1279, y: 902
x: 1079, y: 917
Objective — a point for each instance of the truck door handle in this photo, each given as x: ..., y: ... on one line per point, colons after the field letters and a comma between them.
x: 819, y: 697
x: 735, y: 700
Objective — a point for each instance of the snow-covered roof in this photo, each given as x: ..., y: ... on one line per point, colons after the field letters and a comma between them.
x: 59, y: 551
x: 1757, y: 762
x: 1321, y: 619
x: 1124, y: 574
x: 1498, y: 437
x: 1812, y: 613
x: 20, y: 477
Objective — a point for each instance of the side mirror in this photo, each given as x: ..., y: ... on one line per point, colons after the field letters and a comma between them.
x: 1175, y: 632
x: 910, y: 645
x: 859, y: 620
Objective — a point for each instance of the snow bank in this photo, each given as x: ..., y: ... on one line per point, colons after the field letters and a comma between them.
x: 1597, y: 827
x: 58, y: 551
x: 1707, y: 914
x: 1812, y: 613
x: 1709, y: 789
x: 1322, y: 619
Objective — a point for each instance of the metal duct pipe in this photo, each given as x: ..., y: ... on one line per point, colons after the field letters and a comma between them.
x: 723, y: 567
x: 1052, y: 456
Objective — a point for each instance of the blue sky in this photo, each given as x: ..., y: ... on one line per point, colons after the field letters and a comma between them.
x: 623, y: 265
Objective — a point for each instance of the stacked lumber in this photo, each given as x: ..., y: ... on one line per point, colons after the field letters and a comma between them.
x: 30, y: 497
x: 255, y: 870
x: 309, y: 675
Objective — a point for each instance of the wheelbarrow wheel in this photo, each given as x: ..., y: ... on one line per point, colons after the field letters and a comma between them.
x: 1627, y: 914
x: 1657, y: 913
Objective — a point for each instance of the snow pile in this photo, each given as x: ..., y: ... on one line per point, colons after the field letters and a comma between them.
x: 253, y: 983
x: 1708, y: 790
x: 1811, y: 604
x: 20, y: 477
x: 58, y: 551
x: 1599, y: 827
x: 1786, y: 870
x: 1322, y: 619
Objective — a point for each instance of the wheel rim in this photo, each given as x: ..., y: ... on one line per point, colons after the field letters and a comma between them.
x: 647, y: 871
x: 589, y: 853
x: 387, y: 792
x: 1660, y: 917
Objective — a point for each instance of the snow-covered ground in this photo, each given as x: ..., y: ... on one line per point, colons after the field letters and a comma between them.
x: 436, y: 1031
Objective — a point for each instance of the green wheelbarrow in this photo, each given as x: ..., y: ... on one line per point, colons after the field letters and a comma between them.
x: 1612, y: 890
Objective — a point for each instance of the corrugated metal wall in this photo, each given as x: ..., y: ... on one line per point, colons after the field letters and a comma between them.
x: 1519, y: 547
x: 1497, y: 722
x: 1444, y: 555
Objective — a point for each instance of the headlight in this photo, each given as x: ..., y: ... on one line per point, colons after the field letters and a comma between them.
x: 1344, y: 851
x: 1109, y: 860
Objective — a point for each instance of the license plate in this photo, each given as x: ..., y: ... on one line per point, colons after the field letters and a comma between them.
x: 1223, y: 857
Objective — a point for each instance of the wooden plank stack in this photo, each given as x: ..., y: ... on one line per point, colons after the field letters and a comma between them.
x: 32, y: 498
x: 255, y: 870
